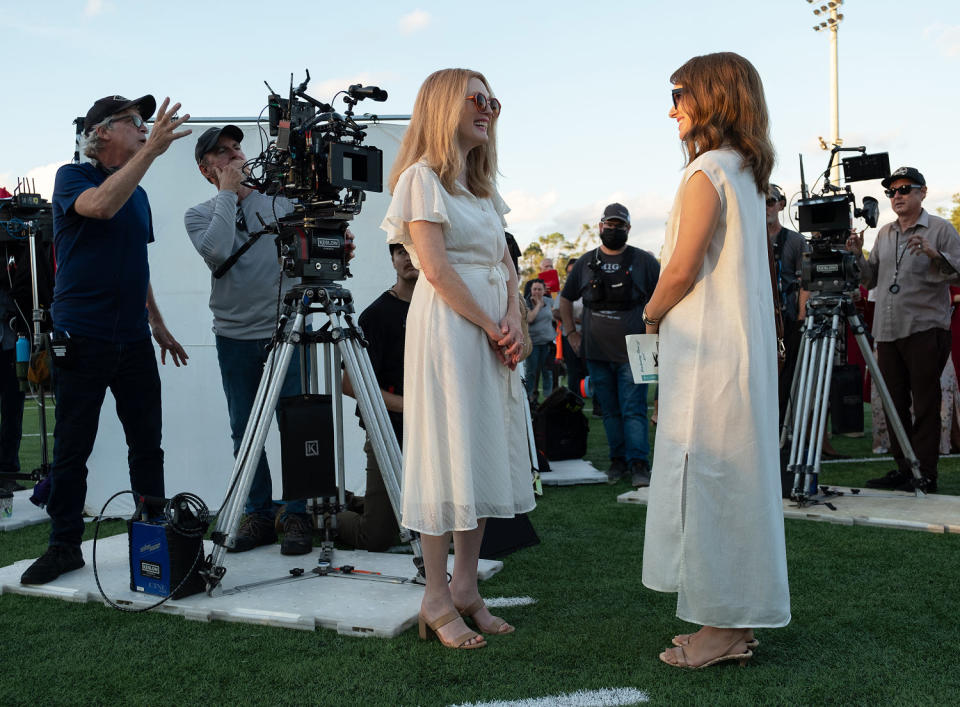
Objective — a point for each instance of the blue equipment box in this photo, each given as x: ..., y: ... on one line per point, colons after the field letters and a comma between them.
x: 160, y: 558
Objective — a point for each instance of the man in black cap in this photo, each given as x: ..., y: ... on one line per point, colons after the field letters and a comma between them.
x: 104, y: 312
x: 788, y: 249
x: 910, y: 265
x: 244, y: 305
x: 614, y: 281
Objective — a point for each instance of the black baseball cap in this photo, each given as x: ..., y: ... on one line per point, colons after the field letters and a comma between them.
x: 911, y: 173
x: 208, y: 140
x: 616, y: 211
x: 111, y: 105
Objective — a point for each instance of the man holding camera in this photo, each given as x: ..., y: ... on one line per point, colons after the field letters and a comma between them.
x: 788, y: 249
x: 614, y: 281
x: 244, y: 305
x: 910, y: 265
x: 104, y: 312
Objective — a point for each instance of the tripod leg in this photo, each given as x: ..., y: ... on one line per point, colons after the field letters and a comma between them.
x: 809, y: 365
x: 251, y: 448
x: 820, y: 414
x: 382, y: 437
x: 794, y: 386
x: 892, y: 417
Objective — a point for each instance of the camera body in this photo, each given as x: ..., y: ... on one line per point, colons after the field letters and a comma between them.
x: 318, y: 161
x: 23, y: 209
x: 827, y: 217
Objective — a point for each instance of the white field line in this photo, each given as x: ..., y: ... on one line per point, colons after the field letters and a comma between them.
x: 584, y: 698
x: 500, y: 602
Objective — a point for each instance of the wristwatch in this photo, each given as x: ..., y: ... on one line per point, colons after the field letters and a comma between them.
x: 647, y: 320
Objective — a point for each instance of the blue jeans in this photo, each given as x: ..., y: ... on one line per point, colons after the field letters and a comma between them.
x: 624, y: 406
x: 130, y: 372
x: 536, y: 363
x: 241, y: 368
x: 11, y: 413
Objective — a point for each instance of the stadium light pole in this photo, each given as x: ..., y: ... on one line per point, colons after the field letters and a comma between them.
x: 830, y: 17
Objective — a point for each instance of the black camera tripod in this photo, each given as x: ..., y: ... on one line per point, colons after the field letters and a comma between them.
x: 341, y: 341
x: 806, y: 417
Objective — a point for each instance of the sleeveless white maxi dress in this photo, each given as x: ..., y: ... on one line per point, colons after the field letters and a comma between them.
x: 714, y: 530
x: 465, y: 449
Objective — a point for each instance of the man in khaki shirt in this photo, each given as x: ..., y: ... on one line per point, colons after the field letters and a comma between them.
x: 911, y: 263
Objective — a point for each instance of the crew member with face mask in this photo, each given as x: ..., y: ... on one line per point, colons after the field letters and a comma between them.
x: 614, y: 281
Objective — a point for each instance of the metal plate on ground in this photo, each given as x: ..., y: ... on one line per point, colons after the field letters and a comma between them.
x: 351, y: 606
x: 933, y: 513
x: 24, y: 512
x: 571, y: 472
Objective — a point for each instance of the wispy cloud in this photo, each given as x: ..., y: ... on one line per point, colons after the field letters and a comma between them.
x: 945, y: 37
x: 414, y: 21
x: 94, y: 8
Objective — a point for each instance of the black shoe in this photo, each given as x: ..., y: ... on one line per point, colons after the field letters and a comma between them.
x: 11, y: 485
x: 617, y: 470
x: 892, y: 480
x: 297, y: 535
x: 640, y: 474
x: 909, y: 484
x: 255, y: 530
x: 53, y: 563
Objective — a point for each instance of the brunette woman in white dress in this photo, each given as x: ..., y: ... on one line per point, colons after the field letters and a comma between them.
x: 465, y: 451
x: 714, y: 531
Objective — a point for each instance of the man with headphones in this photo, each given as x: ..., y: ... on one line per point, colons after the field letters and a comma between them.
x: 614, y: 281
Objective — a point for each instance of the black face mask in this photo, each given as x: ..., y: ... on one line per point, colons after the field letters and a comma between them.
x: 613, y: 238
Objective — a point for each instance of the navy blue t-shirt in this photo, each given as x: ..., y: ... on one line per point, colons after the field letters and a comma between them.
x: 102, y: 268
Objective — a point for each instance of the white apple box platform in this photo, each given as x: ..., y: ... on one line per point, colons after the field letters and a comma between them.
x: 24, y: 512
x: 351, y: 606
x: 933, y: 513
x: 571, y: 472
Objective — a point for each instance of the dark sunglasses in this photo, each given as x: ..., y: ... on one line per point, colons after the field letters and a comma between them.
x: 675, y: 95
x: 902, y: 190
x: 481, y: 102
x: 771, y: 202
x: 137, y: 120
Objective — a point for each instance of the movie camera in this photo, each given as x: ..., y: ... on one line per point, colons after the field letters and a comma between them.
x: 25, y: 211
x: 318, y: 160
x: 828, y: 217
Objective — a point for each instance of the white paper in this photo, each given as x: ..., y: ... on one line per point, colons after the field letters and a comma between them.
x: 643, y: 350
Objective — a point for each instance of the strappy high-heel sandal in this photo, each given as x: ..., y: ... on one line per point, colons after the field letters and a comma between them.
x: 430, y: 629
x: 499, y: 628
x: 681, y: 639
x: 741, y: 658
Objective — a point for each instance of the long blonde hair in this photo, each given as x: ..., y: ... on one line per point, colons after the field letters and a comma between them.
x: 723, y: 95
x: 432, y: 135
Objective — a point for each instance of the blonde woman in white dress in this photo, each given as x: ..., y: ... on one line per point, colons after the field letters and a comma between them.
x: 465, y: 451
x: 714, y: 531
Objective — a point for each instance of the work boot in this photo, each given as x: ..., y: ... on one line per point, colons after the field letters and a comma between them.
x: 892, y: 480
x: 53, y: 563
x: 910, y: 484
x: 255, y: 530
x: 297, y: 535
x: 640, y: 474
x: 617, y: 470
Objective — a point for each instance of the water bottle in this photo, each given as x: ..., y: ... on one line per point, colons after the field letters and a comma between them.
x: 23, y: 361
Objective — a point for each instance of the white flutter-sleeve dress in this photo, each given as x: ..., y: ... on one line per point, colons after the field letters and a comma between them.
x: 714, y: 529
x: 465, y: 449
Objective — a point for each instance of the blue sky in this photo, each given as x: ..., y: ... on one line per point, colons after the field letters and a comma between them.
x: 585, y: 86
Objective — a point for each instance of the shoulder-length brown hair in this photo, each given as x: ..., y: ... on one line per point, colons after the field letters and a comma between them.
x: 432, y: 134
x: 723, y: 95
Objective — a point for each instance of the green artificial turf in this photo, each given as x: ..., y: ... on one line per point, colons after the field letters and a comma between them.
x: 874, y: 623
